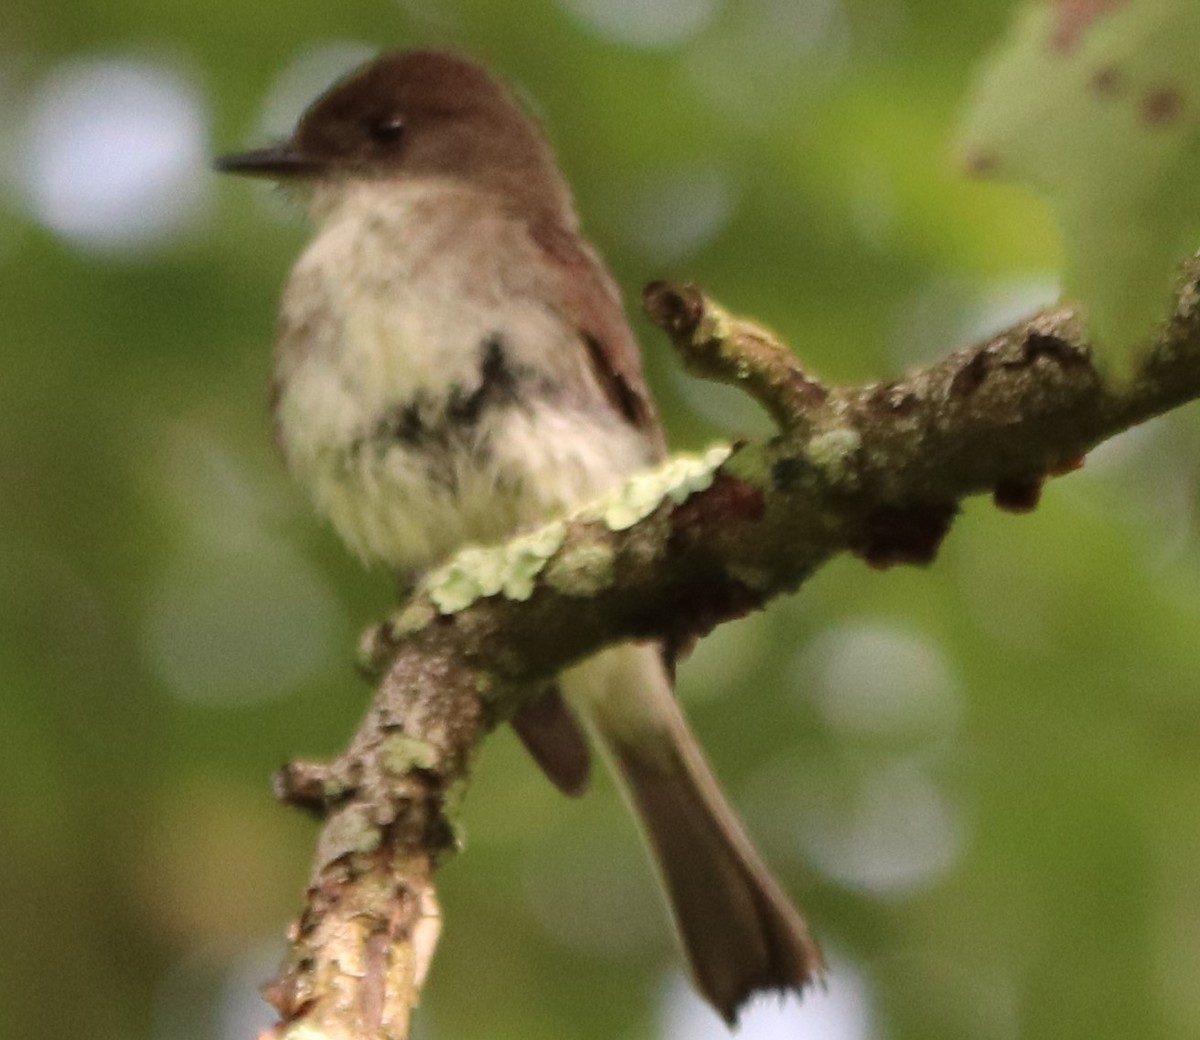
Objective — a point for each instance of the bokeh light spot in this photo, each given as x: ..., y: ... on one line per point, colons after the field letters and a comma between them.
x: 752, y: 67
x: 307, y: 76
x: 671, y: 215
x: 662, y: 24
x: 116, y: 153
x: 946, y: 314
x: 237, y: 627
x: 888, y: 830
x: 596, y: 897
x: 872, y: 679
x: 243, y: 1011
x: 841, y: 1010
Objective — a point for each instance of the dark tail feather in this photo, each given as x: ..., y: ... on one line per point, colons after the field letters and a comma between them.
x: 741, y: 933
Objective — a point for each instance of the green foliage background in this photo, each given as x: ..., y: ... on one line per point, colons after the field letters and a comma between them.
x: 980, y: 780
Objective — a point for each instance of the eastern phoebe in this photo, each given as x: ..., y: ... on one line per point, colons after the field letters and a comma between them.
x: 453, y: 363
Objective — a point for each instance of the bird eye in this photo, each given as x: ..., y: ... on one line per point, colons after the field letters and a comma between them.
x: 386, y: 129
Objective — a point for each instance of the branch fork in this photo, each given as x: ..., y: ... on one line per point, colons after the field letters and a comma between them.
x: 876, y: 470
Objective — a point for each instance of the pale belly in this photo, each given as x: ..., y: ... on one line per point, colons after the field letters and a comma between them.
x: 409, y: 506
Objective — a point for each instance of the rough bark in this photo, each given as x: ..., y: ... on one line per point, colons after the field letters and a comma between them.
x: 875, y: 470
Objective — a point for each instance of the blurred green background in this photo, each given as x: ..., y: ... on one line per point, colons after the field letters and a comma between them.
x: 981, y: 780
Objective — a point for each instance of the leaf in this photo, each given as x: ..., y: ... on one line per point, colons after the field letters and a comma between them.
x: 1097, y: 104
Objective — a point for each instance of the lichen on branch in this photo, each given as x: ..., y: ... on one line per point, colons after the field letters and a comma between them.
x: 875, y: 470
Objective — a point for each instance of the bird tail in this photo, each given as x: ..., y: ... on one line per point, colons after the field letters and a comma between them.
x: 740, y: 932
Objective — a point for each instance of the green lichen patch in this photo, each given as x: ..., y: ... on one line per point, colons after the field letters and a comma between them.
x: 512, y: 569
x: 401, y: 754
x: 335, y: 786
x: 525, y: 557
x: 716, y: 327
x: 347, y: 832
x: 411, y: 618
x: 378, y: 644
x: 833, y: 452
x: 674, y: 481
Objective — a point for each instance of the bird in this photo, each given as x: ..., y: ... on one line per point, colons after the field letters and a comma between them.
x: 453, y: 363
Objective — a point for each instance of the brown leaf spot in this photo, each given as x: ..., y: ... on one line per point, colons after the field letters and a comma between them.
x: 1161, y: 106
x: 1106, y: 82
x: 980, y: 162
x: 1075, y: 17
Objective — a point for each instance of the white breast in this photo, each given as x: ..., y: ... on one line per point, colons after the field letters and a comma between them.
x: 389, y: 306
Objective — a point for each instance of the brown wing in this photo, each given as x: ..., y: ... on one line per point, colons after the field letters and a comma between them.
x: 592, y: 304
x: 553, y: 737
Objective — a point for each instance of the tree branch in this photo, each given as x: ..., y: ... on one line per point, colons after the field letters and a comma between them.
x: 876, y: 470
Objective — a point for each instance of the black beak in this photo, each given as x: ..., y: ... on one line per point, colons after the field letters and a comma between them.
x: 279, y: 161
